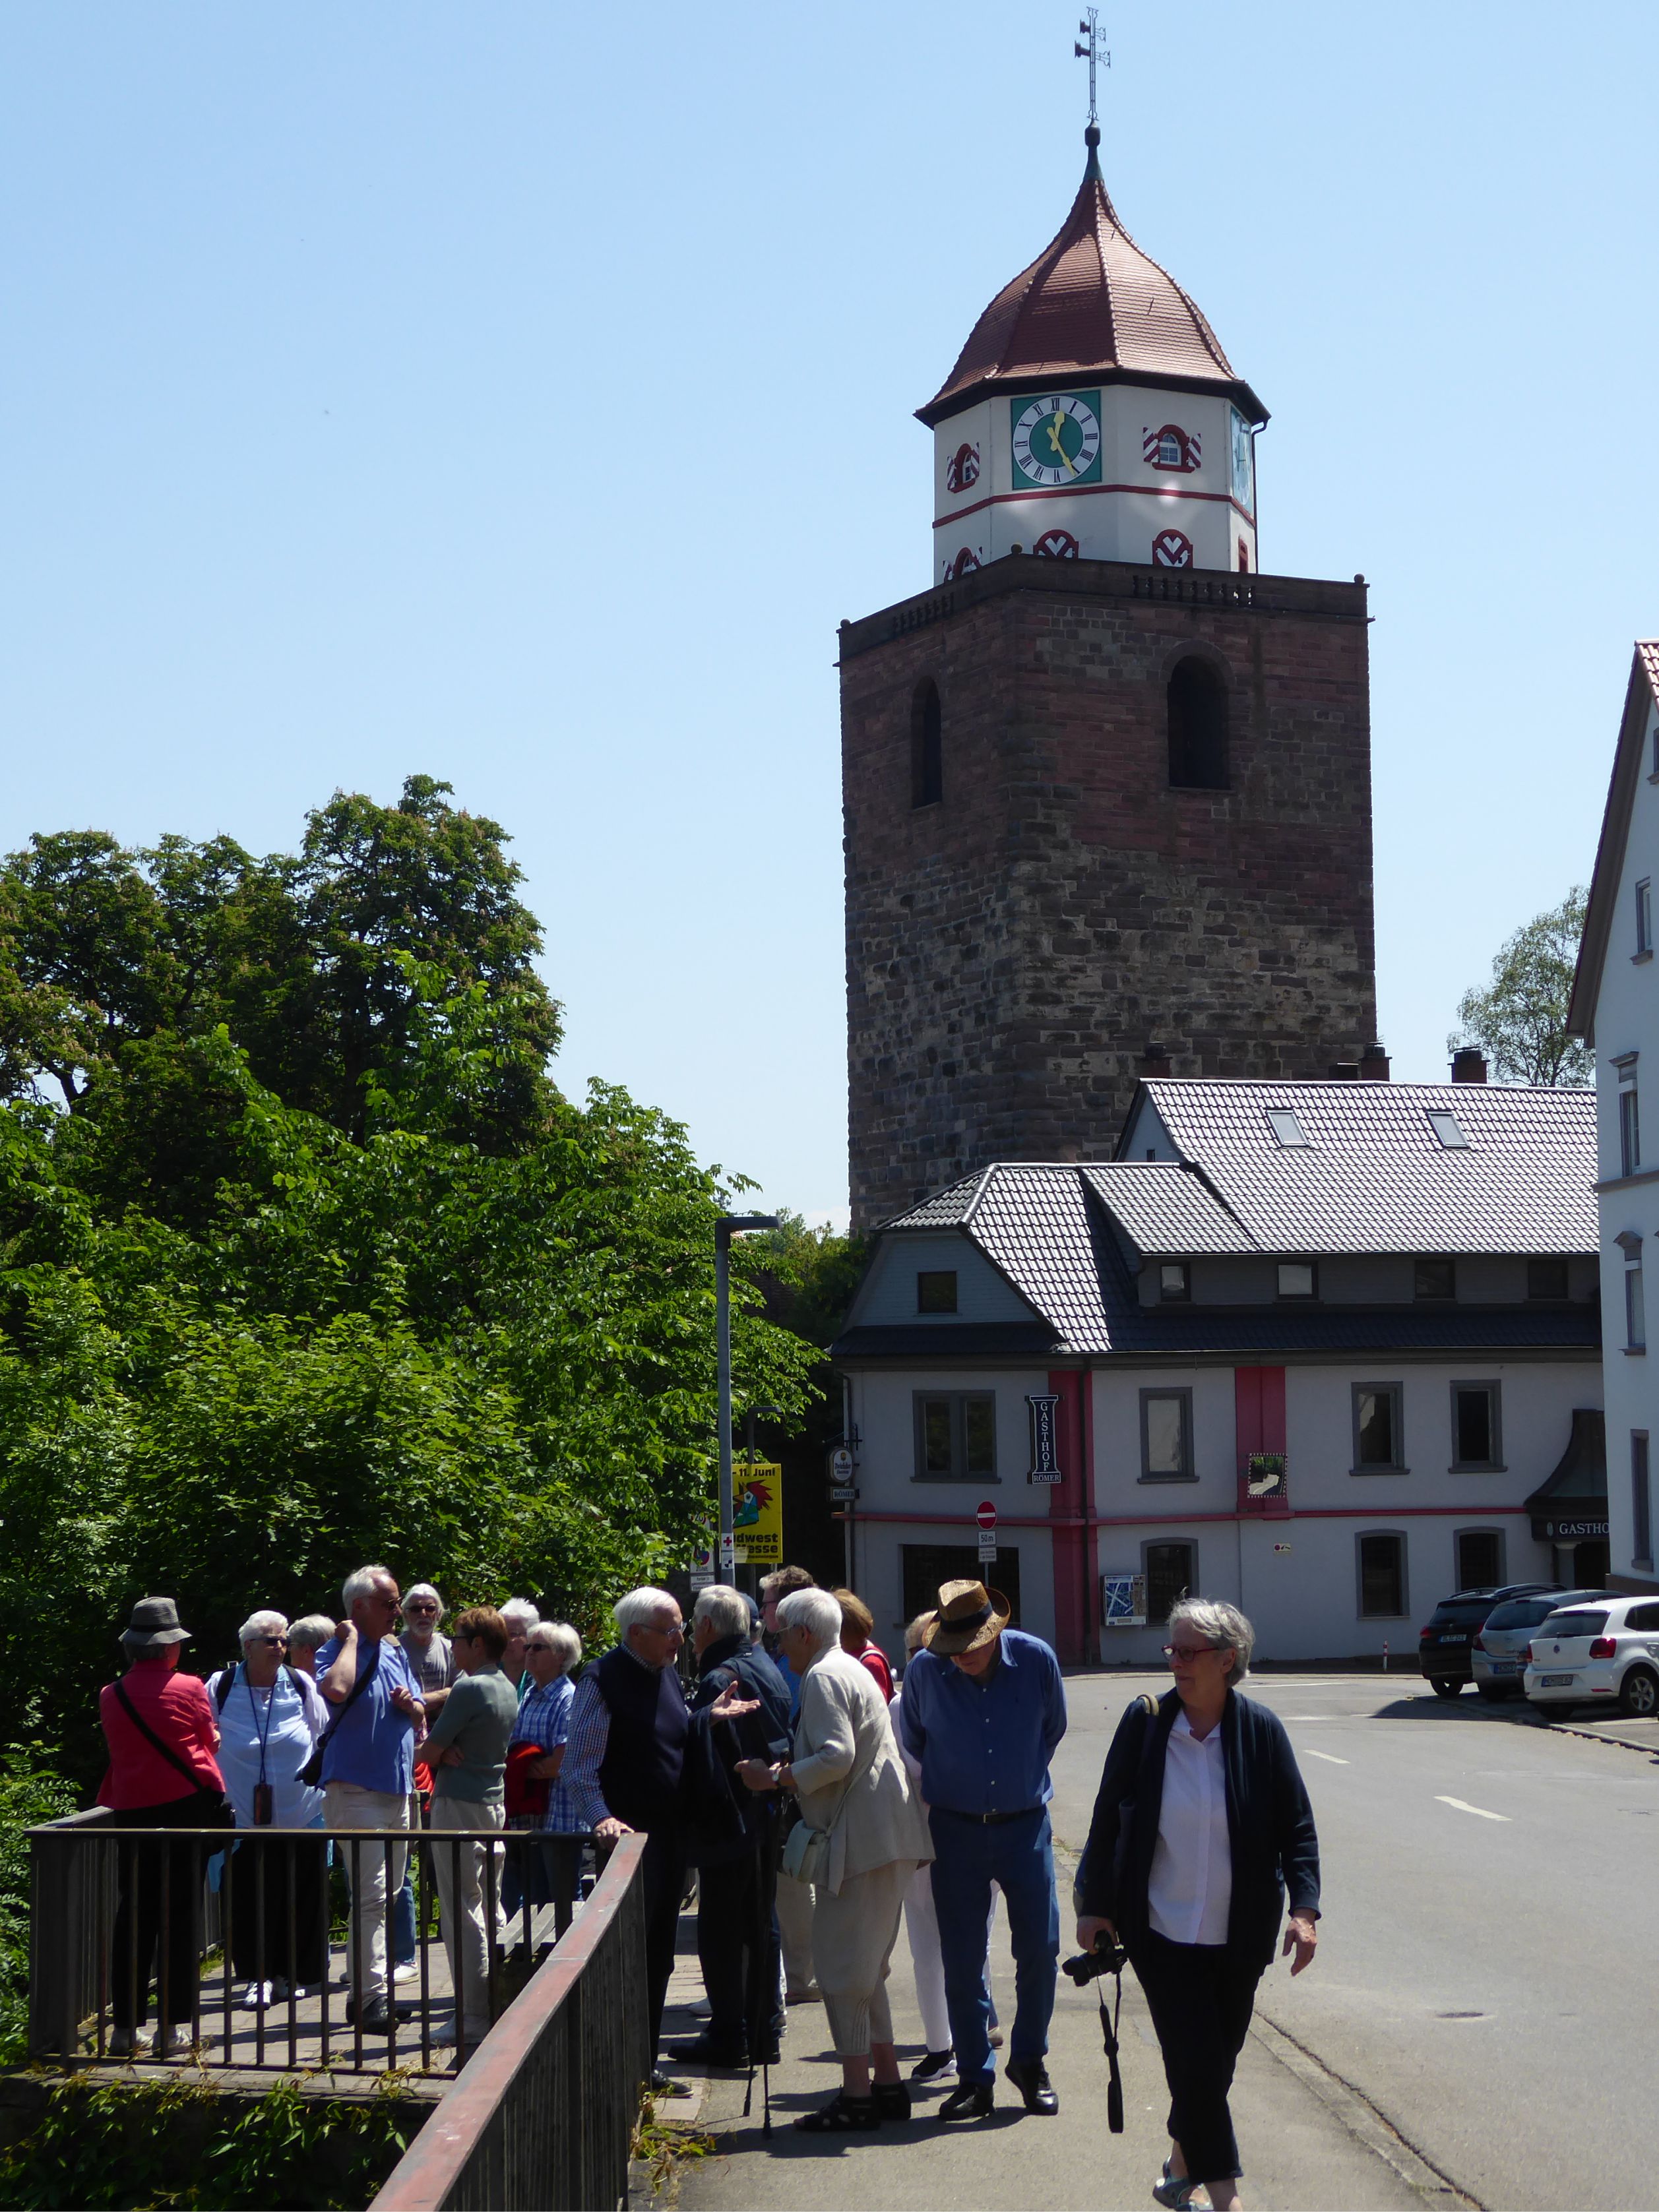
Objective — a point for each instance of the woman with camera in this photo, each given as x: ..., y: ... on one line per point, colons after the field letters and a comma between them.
x: 1201, y: 1827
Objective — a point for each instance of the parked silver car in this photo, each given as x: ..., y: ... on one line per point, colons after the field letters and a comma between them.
x: 1499, y: 1653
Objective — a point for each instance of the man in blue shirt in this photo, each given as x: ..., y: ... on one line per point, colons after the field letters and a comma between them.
x: 982, y: 1710
x: 368, y: 1768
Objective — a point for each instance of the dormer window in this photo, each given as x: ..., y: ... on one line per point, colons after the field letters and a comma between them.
x: 936, y: 1291
x: 1449, y: 1130
x: 1297, y: 1279
x: 1174, y: 1282
x: 1286, y: 1128
x: 1435, y: 1276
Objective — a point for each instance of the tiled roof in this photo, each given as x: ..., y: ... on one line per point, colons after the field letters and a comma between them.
x: 942, y: 1209
x: 1375, y: 1177
x: 1164, y: 1207
x: 1091, y: 304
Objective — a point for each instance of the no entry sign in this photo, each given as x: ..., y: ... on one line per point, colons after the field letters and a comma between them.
x: 986, y: 1514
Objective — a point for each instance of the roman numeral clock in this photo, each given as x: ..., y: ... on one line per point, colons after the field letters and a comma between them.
x: 1056, y: 441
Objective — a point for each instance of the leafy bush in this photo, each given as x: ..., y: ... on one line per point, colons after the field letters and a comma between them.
x: 29, y: 1793
x: 176, y: 2143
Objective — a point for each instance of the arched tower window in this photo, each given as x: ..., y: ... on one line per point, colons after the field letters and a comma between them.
x: 927, y: 751
x: 1197, y: 702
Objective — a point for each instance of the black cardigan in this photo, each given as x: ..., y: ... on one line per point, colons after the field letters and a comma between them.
x: 1269, y: 1818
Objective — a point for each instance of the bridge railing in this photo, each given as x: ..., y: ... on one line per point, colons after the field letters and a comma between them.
x: 116, y: 1910
x: 542, y: 2117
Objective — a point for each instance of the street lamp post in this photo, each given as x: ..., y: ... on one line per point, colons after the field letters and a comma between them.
x: 727, y: 1226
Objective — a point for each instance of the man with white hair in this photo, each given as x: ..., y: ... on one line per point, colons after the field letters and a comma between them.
x: 368, y: 1769
x: 737, y: 1943
x: 623, y: 1763
x: 431, y: 1654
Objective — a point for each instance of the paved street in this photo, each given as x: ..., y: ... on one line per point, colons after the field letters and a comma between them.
x: 1484, y: 1982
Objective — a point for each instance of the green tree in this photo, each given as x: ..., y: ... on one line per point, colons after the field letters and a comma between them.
x: 1520, y: 1020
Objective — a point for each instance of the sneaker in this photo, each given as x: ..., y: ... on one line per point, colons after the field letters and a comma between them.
x: 280, y: 1990
x: 128, y: 2043
x: 934, y: 2063
x: 174, y: 2042
x: 406, y: 1970
x: 449, y: 2034
x: 258, y: 1995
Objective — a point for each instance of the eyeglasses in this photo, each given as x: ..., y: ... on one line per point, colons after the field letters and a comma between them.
x: 268, y: 1640
x: 419, y: 1605
x: 1189, y: 1650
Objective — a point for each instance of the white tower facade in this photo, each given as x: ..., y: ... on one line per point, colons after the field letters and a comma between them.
x: 1093, y: 416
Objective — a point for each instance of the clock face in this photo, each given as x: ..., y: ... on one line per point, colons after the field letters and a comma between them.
x: 1057, y: 439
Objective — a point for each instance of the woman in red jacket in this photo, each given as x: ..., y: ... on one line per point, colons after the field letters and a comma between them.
x: 160, y: 1727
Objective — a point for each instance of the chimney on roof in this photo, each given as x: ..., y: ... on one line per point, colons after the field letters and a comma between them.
x: 1468, y: 1065
x: 1156, y: 1061
x: 1374, y: 1065
x: 1344, y: 1070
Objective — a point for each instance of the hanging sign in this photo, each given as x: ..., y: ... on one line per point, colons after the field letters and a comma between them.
x: 1045, y: 1463
x: 757, y: 1512
x: 841, y: 1464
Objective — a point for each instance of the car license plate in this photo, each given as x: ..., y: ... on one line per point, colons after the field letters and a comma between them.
x: 1502, y: 1665
x: 1553, y: 1681
x: 1454, y: 1639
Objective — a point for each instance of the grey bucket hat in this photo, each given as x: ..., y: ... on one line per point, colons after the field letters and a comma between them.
x: 153, y: 1625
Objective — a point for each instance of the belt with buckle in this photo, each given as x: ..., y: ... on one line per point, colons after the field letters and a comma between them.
x: 989, y: 1819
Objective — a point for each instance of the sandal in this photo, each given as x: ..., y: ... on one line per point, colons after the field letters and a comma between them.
x: 1175, y: 2193
x: 842, y: 2115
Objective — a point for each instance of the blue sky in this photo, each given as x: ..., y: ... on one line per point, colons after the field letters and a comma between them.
x: 522, y: 395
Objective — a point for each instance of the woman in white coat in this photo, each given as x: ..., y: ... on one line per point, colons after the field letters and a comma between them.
x: 851, y: 1784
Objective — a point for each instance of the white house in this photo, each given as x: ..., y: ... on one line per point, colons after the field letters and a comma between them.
x: 1615, y: 1006
x: 1328, y: 1350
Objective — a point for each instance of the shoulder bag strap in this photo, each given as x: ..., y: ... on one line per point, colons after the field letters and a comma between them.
x: 365, y: 1676
x: 155, y: 1742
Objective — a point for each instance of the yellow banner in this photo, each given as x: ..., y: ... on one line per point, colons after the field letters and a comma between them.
x: 757, y: 1512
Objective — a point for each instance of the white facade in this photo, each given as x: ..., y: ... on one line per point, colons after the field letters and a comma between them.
x: 1099, y: 472
x: 1297, y: 1577
x: 1616, y: 1004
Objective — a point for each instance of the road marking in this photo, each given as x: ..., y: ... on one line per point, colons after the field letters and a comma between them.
x: 1479, y: 1811
x: 1329, y: 1757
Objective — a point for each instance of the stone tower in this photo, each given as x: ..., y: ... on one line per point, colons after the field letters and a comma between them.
x: 1106, y: 787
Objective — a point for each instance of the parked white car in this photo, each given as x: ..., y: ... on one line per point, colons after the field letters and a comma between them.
x: 1604, y: 1654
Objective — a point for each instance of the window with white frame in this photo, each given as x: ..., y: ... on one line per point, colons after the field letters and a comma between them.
x: 1643, y: 916
x: 1641, y: 1501
x: 1630, y: 1127
x: 1635, y: 1317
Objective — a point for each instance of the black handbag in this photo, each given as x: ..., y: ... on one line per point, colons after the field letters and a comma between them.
x: 221, y: 1811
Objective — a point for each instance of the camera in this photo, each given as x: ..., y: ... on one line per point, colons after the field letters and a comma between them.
x: 1106, y: 1958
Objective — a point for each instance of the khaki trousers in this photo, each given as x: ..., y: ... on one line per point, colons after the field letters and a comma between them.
x: 853, y: 1932
x: 794, y: 1911
x: 459, y: 1872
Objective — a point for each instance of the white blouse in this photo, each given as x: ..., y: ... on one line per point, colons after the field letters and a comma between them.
x: 1191, y: 1886
x: 282, y: 1723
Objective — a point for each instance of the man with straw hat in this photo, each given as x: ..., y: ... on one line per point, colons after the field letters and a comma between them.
x: 982, y: 1710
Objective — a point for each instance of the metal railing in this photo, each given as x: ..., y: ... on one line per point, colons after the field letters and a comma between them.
x: 117, y: 1912
x: 542, y: 2119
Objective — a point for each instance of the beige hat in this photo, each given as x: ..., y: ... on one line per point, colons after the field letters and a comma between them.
x: 969, y: 1615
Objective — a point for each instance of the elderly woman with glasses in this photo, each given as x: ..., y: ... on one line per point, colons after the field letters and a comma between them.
x: 1201, y: 1827
x: 270, y: 1714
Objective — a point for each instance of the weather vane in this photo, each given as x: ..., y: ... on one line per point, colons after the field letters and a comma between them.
x: 1089, y: 49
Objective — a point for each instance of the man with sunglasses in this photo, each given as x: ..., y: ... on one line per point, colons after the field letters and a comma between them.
x: 368, y: 1769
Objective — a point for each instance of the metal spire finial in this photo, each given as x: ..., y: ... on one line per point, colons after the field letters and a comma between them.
x: 1091, y: 52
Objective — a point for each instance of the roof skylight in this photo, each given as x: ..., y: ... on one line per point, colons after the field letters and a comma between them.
x: 1449, y: 1130
x: 1285, y: 1126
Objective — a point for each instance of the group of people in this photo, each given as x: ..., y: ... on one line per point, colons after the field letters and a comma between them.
x: 822, y: 1807
x: 361, y: 1727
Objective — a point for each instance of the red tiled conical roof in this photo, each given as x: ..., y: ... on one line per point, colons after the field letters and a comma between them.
x: 1091, y: 303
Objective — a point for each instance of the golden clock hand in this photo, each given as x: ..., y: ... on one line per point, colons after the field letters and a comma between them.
x: 1053, y: 440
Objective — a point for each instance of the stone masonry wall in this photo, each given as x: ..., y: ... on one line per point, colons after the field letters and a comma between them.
x: 1012, y: 950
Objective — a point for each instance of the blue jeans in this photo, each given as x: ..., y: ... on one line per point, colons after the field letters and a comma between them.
x: 403, y: 1919
x: 1018, y: 1855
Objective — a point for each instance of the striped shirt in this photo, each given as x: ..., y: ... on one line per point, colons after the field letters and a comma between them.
x: 545, y: 1718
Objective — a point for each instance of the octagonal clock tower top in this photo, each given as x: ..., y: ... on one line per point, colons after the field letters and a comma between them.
x: 1092, y: 413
